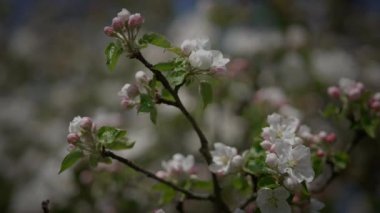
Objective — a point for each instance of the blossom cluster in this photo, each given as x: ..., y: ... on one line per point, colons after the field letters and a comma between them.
x: 124, y: 22
x: 178, y: 168
x: 80, y: 133
x: 130, y: 92
x: 285, y: 150
x: 225, y: 160
x: 347, y: 87
x: 202, y: 58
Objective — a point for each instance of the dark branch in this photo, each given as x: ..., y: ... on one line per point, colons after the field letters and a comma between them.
x: 188, y: 194
x: 248, y: 201
x: 204, y: 149
x: 45, y: 206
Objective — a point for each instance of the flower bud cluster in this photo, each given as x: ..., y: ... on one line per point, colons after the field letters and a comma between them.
x: 225, y: 160
x: 351, y: 89
x: 130, y: 92
x: 124, y: 23
x: 178, y: 168
x: 80, y: 134
x: 374, y: 103
x: 202, y: 58
x: 285, y: 151
x: 319, y: 142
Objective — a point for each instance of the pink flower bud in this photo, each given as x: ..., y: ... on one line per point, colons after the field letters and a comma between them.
x: 375, y: 105
x: 266, y: 133
x: 73, y: 138
x: 376, y: 96
x: 266, y: 145
x: 354, y: 94
x: 271, y: 160
x: 108, y: 30
x: 330, y: 138
x: 128, y: 103
x: 117, y: 24
x: 133, y: 91
x: 320, y: 153
x: 333, y: 92
x: 162, y: 174
x: 135, y: 20
x: 272, y: 148
x: 218, y: 70
x: 86, y: 123
x: 322, y: 134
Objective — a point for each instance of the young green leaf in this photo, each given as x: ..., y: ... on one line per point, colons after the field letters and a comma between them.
x: 70, y: 160
x: 113, y: 52
x: 165, y: 66
x: 153, y: 115
x: 340, y: 160
x: 154, y: 39
x: 108, y: 135
x: 267, y: 181
x: 205, y: 90
x: 146, y: 103
x: 120, y: 145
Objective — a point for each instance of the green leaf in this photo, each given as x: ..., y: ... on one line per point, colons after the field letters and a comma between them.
x: 176, y: 50
x: 120, y: 145
x: 70, y: 160
x: 340, y: 160
x: 202, y: 184
x: 165, y: 66
x: 153, y: 115
x: 107, y: 135
x: 167, y: 193
x: 331, y: 111
x: 146, y: 103
x: 304, y: 189
x: 113, y: 52
x: 240, y: 183
x: 154, y: 39
x: 205, y: 90
x: 318, y: 165
x: 268, y: 182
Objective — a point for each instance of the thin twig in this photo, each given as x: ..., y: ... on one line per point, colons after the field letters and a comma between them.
x: 188, y: 194
x: 160, y: 100
x: 359, y: 135
x: 45, y: 206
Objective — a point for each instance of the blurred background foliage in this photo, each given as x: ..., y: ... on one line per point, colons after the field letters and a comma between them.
x: 53, y: 68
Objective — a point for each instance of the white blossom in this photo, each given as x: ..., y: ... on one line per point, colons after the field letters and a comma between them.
x: 294, y: 161
x: 189, y: 46
x: 177, y: 167
x: 142, y: 78
x: 272, y: 95
x: 75, y: 125
x: 201, y: 59
x: 273, y: 200
x: 225, y: 159
x: 316, y: 205
x: 282, y: 129
x: 123, y: 15
x: 218, y: 61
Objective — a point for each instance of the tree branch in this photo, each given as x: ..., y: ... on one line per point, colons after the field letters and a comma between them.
x: 204, y: 149
x: 359, y: 135
x: 188, y: 194
x: 45, y: 206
